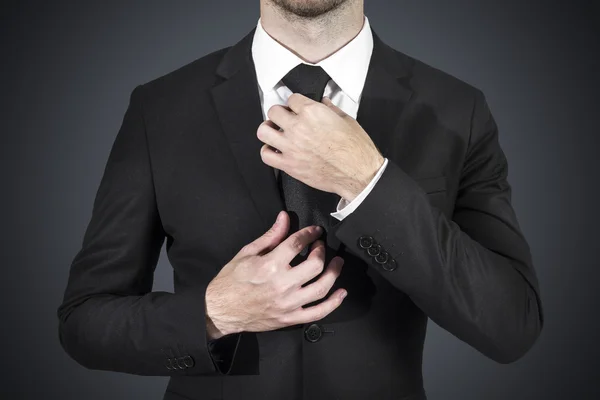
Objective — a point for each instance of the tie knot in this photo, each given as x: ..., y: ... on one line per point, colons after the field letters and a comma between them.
x: 308, y: 80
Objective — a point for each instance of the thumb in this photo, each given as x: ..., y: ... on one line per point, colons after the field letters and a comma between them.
x: 270, y: 239
x: 327, y: 101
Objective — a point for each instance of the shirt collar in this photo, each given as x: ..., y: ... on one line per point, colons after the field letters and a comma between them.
x: 347, y: 67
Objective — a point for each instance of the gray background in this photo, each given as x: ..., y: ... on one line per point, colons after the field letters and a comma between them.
x: 69, y: 67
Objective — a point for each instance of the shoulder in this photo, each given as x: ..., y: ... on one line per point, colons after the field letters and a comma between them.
x: 452, y: 100
x: 437, y: 87
x: 191, y: 79
x: 427, y: 77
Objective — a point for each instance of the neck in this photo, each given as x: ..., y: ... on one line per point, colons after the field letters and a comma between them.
x: 313, y: 39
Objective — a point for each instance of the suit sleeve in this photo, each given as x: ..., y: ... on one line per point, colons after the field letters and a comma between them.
x: 471, y: 274
x: 109, y: 318
x: 223, y: 351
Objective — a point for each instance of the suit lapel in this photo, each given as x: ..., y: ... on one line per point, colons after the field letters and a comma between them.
x: 239, y: 110
x: 385, y: 94
x: 237, y: 102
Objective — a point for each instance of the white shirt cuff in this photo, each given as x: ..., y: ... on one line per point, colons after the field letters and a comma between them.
x: 344, y: 208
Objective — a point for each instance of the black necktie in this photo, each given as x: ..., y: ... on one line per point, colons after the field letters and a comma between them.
x: 306, y: 205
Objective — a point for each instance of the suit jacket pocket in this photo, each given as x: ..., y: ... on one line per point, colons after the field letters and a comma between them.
x: 432, y: 185
x: 437, y: 193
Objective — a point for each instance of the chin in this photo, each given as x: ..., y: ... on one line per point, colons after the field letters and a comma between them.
x: 308, y: 8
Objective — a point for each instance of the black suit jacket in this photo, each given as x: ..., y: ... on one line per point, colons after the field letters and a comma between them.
x: 437, y: 237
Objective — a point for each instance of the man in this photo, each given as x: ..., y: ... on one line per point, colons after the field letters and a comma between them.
x: 313, y: 114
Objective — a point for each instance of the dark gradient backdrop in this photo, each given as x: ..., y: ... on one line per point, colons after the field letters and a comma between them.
x: 69, y: 67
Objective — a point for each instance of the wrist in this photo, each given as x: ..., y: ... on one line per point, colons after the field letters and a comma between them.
x: 354, y: 186
x: 212, y: 332
x: 215, y: 328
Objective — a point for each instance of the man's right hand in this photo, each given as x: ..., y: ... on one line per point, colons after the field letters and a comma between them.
x: 259, y: 291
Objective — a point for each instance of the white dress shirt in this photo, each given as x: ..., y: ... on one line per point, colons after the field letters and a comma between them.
x: 347, y: 69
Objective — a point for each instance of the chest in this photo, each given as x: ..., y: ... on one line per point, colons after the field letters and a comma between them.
x: 215, y: 194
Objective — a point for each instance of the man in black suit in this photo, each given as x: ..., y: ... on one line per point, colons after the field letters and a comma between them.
x: 313, y: 119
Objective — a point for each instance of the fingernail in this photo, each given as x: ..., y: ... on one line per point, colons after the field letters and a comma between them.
x: 319, y: 229
x: 279, y: 217
x: 344, y: 293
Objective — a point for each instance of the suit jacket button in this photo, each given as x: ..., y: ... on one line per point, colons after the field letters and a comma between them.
x: 180, y: 363
x: 382, y: 257
x: 313, y: 333
x: 390, y: 265
x: 188, y: 361
x: 364, y: 242
x: 374, y: 250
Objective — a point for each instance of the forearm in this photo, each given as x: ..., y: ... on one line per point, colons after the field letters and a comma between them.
x: 484, y: 297
x: 158, y: 333
x: 109, y: 318
x: 477, y: 294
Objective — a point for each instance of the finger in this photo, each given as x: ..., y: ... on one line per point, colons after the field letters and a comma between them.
x: 282, y: 116
x: 296, y: 102
x: 270, y: 239
x: 267, y: 134
x: 309, y: 268
x: 314, y: 313
x: 314, y: 245
x: 274, y: 126
x: 290, y: 247
x: 271, y: 124
x: 319, y: 289
x: 272, y: 157
x: 327, y: 101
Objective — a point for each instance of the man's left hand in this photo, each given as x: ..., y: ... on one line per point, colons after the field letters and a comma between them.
x: 319, y: 145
